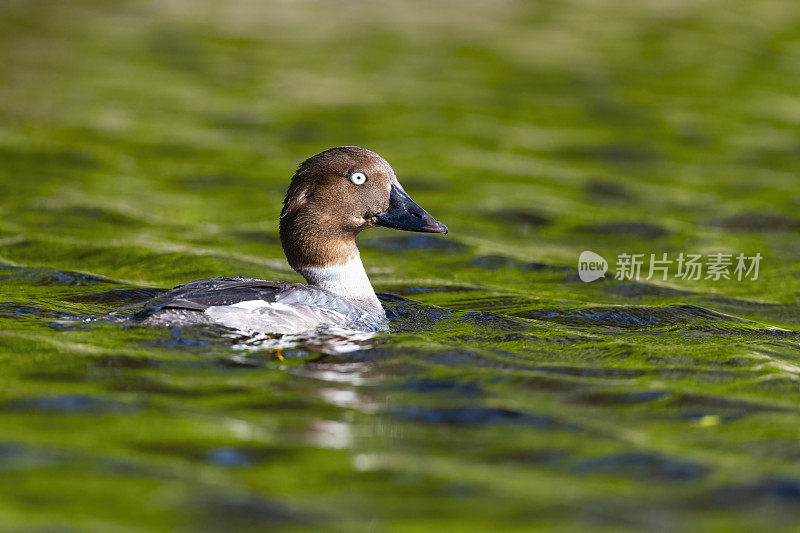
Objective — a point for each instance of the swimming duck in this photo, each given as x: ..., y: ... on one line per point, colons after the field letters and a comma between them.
x: 332, y: 197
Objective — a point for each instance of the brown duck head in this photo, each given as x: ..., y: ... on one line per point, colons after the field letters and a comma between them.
x: 335, y: 195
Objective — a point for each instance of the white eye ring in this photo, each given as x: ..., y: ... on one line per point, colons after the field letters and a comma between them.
x: 359, y: 178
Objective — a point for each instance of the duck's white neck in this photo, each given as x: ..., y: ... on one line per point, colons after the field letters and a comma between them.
x: 348, y: 280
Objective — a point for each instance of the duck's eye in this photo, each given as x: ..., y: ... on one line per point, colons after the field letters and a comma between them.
x: 359, y: 178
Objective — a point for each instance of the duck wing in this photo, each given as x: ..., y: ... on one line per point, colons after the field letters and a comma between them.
x: 256, y: 305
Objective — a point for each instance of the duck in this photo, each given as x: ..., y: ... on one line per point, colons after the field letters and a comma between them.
x: 332, y: 197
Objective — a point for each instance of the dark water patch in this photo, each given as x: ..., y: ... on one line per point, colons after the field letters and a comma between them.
x: 494, y: 321
x: 603, y: 515
x: 423, y: 289
x: 619, y: 398
x: 538, y: 383
x: 787, y: 449
x: 489, y: 303
x: 475, y: 416
x: 591, y: 372
x: 627, y: 317
x: 533, y: 457
x: 607, y: 354
x: 116, y: 297
x: 701, y: 375
x: 683, y: 360
x: 124, y: 361
x: 496, y: 262
x: 523, y: 219
x: 391, y: 298
x: 696, y: 406
x: 494, y: 339
x: 148, y: 385
x: 203, y: 336
x: 621, y: 154
x: 124, y: 468
x: 407, y: 315
x: 756, y: 222
x: 47, y: 276
x: 598, y: 189
x: 228, y: 457
x: 462, y: 357
x: 707, y: 330
x: 459, y: 389
x: 639, y: 290
x: 616, y: 154
x: 641, y: 466
x: 460, y: 490
x: 70, y: 404
x: 177, y: 342
x: 231, y: 512
x: 640, y: 230
x: 740, y: 362
x: 14, y: 310
x: 21, y: 456
x: 219, y: 455
x: 555, y: 340
x: 779, y: 491
x: 413, y: 242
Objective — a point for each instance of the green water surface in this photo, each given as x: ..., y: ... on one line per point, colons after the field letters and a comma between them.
x: 145, y: 144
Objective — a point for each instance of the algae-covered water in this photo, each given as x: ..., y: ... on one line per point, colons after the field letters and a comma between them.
x: 145, y: 144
